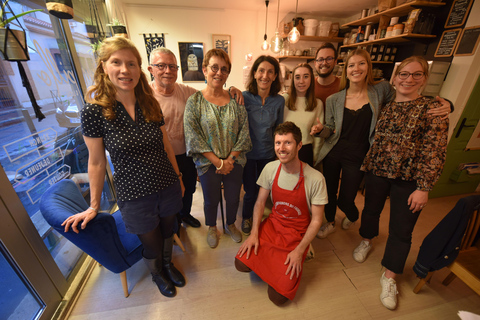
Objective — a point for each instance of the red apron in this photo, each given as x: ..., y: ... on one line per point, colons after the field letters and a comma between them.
x: 279, y: 234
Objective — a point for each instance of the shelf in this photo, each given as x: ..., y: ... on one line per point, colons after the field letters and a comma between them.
x: 373, y: 62
x: 395, y: 39
x: 324, y: 39
x: 399, y: 11
x: 308, y: 58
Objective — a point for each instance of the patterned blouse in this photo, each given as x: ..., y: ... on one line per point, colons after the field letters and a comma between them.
x: 409, y: 144
x: 217, y: 129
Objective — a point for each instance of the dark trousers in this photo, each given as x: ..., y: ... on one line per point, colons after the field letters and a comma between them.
x: 189, y: 178
x: 349, y: 166
x: 306, y: 154
x: 211, y: 186
x: 251, y: 172
x: 402, y: 219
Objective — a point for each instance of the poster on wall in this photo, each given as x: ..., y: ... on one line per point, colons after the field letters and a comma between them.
x: 191, y: 59
x: 223, y: 42
x: 152, y: 42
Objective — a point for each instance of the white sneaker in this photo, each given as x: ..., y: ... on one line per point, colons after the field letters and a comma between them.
x: 325, y: 230
x: 389, y: 292
x: 346, y: 223
x: 234, y: 233
x: 360, y: 252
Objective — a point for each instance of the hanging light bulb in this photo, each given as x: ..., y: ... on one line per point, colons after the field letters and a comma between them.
x: 265, y: 44
x: 294, y: 34
x: 277, y: 40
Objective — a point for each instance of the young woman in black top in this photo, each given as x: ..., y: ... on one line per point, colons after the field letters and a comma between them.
x: 123, y: 117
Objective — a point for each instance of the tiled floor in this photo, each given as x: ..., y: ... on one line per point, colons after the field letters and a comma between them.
x: 333, y: 286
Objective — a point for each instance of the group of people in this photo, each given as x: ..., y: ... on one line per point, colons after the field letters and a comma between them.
x: 162, y: 135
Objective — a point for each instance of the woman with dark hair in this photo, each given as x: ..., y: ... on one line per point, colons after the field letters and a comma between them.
x: 351, y: 115
x: 403, y: 163
x: 265, y: 112
x: 303, y: 109
x: 216, y: 136
x: 123, y: 117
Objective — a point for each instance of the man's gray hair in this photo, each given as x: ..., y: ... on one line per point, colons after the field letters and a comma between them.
x: 160, y: 50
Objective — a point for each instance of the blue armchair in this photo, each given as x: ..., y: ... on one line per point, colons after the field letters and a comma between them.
x: 104, y: 238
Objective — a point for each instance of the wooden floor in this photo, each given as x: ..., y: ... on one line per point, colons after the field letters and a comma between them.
x: 333, y: 286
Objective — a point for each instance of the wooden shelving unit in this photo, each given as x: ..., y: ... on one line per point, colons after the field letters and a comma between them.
x: 395, y: 39
x: 399, y: 11
x: 308, y: 58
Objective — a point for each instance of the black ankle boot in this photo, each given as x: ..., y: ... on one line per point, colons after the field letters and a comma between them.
x: 163, y: 282
x: 170, y: 271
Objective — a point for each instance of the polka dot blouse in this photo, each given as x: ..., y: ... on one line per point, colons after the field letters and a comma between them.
x: 136, y: 148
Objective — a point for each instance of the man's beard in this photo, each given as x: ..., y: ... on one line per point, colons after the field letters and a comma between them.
x: 325, y: 75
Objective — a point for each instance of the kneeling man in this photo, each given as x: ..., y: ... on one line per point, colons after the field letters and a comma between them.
x: 280, y: 243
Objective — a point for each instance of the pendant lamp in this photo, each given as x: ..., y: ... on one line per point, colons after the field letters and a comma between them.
x: 277, y: 40
x: 294, y: 34
x: 265, y: 44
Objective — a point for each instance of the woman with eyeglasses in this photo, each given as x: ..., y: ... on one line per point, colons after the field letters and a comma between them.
x: 351, y: 115
x: 123, y: 117
x: 404, y: 162
x: 265, y: 112
x: 303, y: 109
x: 217, y: 137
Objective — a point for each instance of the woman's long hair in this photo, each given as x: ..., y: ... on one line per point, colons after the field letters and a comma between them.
x: 310, y: 95
x: 103, y: 92
x: 344, y: 82
x: 252, y: 82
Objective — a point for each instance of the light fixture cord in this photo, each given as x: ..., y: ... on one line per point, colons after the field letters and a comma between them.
x: 266, y: 16
x: 295, y: 21
x: 278, y: 12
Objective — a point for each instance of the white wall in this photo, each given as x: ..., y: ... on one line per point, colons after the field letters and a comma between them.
x: 197, y: 25
x: 463, y: 74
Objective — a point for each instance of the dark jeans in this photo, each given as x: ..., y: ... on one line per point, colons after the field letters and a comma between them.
x: 251, y: 172
x: 211, y: 186
x: 306, y: 154
x: 402, y: 219
x: 349, y: 166
x: 189, y: 178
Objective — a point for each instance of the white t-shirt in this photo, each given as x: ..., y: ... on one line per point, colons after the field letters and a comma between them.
x: 315, y: 188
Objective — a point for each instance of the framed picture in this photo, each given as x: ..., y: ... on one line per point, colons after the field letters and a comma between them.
x: 191, y: 59
x: 223, y: 41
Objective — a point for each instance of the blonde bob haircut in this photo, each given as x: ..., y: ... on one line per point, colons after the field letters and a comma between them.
x: 344, y: 82
x: 103, y: 91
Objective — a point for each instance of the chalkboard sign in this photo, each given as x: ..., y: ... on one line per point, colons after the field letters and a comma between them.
x: 458, y: 13
x: 447, y: 42
x: 468, y: 41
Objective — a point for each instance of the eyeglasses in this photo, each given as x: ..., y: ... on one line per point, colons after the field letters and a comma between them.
x: 163, y: 66
x: 223, y: 70
x: 416, y: 76
x: 328, y: 60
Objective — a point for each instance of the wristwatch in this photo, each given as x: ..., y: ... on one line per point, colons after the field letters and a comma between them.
x: 233, y: 157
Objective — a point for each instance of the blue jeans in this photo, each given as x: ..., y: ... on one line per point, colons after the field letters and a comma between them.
x: 402, y: 219
x: 212, y: 184
x: 251, y: 172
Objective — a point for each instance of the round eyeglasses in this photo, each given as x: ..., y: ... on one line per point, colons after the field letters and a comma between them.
x: 223, y: 70
x: 416, y: 75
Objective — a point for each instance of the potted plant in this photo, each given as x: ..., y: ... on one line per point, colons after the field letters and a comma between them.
x: 13, y: 43
x: 119, y: 29
x: 92, y: 30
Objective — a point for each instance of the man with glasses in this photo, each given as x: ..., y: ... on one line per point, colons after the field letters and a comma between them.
x: 326, y: 83
x: 172, y: 97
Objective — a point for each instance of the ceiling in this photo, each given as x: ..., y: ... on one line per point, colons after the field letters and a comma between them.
x: 319, y: 8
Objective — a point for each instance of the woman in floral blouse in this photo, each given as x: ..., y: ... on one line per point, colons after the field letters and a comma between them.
x: 403, y: 163
x: 217, y: 137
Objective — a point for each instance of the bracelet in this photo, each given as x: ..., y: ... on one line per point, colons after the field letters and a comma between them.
x: 233, y: 157
x: 180, y: 175
x: 96, y: 211
x: 221, y: 166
